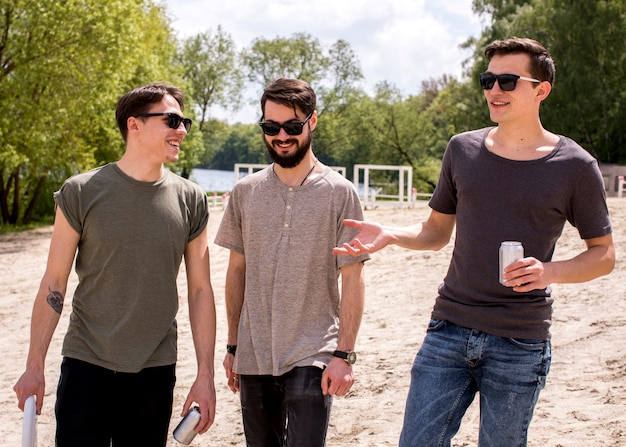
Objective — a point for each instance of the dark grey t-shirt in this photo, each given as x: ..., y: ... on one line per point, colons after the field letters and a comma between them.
x: 497, y: 199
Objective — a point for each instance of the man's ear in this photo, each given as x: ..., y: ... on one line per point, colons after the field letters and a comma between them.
x: 543, y: 90
x: 313, y: 120
x: 132, y: 123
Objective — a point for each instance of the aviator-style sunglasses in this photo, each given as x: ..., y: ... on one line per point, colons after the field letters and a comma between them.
x: 173, y: 120
x: 507, y: 82
x: 291, y: 127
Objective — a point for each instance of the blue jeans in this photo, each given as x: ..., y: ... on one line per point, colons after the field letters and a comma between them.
x: 285, y: 411
x: 97, y: 407
x: 452, y: 365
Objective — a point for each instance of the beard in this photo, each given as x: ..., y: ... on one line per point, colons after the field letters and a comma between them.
x: 288, y: 161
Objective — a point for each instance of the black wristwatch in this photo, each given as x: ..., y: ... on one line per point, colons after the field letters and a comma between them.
x: 349, y: 356
x: 231, y: 349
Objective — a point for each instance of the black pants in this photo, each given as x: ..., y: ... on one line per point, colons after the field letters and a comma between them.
x: 97, y: 407
x: 285, y: 411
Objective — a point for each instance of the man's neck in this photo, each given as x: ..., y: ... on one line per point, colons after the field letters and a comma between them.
x: 521, y: 143
x: 141, y: 170
x: 307, y: 169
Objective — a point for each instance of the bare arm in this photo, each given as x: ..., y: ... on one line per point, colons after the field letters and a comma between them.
x: 47, y: 309
x: 433, y: 234
x: 235, y: 286
x: 530, y: 273
x: 338, y: 377
x: 203, y: 321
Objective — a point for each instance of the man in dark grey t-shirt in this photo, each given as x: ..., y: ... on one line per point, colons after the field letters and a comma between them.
x: 519, y: 182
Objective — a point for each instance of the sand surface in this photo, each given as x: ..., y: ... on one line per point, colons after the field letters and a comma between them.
x: 583, y: 405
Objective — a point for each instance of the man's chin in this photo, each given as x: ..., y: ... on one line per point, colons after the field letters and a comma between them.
x: 286, y: 161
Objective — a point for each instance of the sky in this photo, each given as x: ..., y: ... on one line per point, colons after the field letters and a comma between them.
x: 403, y: 42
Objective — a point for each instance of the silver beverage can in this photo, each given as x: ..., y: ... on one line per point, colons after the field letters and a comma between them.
x: 510, y: 251
x: 184, y: 432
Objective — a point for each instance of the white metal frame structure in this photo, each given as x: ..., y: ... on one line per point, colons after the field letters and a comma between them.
x: 252, y: 167
x: 405, y: 194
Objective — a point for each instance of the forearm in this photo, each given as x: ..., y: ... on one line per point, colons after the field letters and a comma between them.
x: 429, y: 235
x: 43, y: 323
x: 234, y: 292
x: 203, y: 322
x: 45, y: 318
x: 352, y: 304
x: 407, y: 237
x: 596, y: 261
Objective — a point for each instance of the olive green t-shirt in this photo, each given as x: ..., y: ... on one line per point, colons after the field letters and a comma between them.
x: 132, y: 239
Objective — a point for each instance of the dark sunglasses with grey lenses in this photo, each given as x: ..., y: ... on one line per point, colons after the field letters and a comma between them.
x: 173, y: 120
x: 291, y: 127
x: 507, y: 82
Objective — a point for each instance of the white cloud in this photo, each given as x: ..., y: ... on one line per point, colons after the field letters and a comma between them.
x: 400, y: 41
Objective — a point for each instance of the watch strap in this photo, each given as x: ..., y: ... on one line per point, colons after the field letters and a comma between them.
x: 340, y: 354
x: 348, y: 356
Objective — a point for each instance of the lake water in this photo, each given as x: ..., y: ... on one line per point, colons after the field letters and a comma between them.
x: 213, y: 179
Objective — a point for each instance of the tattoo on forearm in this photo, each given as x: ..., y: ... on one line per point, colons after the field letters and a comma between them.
x: 55, y: 300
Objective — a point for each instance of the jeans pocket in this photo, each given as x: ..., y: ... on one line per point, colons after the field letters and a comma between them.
x: 530, y: 344
x: 435, y: 325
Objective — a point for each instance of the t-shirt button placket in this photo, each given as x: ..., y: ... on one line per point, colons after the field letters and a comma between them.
x: 288, y: 210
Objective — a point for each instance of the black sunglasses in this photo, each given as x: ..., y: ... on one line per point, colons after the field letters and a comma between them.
x: 291, y: 128
x: 173, y: 120
x: 507, y: 82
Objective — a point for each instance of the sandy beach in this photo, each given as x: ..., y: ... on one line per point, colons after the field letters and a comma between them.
x: 583, y: 405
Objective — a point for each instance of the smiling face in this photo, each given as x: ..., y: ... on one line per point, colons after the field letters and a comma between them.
x: 521, y: 103
x: 161, y: 143
x: 287, y: 150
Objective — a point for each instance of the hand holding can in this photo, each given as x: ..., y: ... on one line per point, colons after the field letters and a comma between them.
x: 184, y: 432
x: 510, y: 251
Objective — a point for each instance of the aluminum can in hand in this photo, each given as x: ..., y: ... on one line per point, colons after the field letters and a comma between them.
x: 510, y: 251
x: 184, y: 432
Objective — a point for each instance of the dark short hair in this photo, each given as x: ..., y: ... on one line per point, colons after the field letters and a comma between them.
x: 293, y: 93
x: 139, y: 101
x: 541, y: 63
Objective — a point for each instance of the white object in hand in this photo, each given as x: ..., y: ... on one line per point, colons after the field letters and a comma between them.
x: 29, y: 428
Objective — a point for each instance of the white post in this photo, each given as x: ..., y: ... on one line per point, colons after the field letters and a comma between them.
x: 621, y: 185
x: 366, y: 183
x: 401, y: 186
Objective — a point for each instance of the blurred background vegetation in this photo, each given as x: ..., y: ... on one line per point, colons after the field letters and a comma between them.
x: 64, y: 64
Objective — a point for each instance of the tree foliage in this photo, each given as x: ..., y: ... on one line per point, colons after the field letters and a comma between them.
x: 210, y: 66
x: 63, y: 66
x: 243, y: 144
x: 64, y: 63
x: 300, y: 56
x: 587, y: 40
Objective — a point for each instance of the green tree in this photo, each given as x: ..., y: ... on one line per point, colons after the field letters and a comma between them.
x: 243, y: 144
x: 338, y: 96
x: 333, y: 71
x: 300, y: 56
x: 587, y: 40
x: 62, y: 67
x: 209, y: 63
x: 397, y: 130
x: 210, y: 66
x: 341, y: 77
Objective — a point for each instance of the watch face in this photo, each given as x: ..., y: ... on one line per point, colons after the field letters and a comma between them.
x: 351, y: 358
